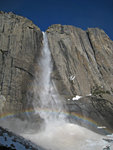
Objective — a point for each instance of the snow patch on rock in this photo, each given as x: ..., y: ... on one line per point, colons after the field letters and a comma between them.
x: 76, y: 98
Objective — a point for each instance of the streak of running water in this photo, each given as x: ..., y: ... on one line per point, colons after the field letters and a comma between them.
x: 46, y: 98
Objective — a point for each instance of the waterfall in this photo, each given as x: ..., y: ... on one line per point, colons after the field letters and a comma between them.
x: 57, y: 134
x: 46, y: 98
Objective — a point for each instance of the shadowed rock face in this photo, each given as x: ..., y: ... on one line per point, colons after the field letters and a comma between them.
x: 83, y: 60
x: 20, y: 43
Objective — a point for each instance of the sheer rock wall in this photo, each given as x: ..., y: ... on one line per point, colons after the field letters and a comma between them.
x: 20, y: 43
x: 83, y: 65
x: 83, y: 60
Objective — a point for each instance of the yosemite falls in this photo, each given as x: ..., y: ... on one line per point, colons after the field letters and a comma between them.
x: 57, y: 134
x: 56, y: 87
x: 46, y: 98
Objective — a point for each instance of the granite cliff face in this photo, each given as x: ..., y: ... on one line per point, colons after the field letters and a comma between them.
x: 83, y: 60
x: 82, y: 65
x: 20, y: 43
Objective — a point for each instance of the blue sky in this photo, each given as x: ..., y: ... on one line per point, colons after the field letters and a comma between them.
x: 80, y: 13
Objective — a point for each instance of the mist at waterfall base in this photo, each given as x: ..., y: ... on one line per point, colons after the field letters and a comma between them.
x: 57, y: 133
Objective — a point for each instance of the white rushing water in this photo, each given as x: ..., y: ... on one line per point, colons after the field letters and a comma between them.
x: 46, y: 98
x: 58, y: 134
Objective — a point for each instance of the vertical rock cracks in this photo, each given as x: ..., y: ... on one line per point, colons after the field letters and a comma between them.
x: 87, y: 55
x: 20, y: 43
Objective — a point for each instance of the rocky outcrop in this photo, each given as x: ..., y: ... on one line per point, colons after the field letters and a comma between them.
x: 20, y: 43
x: 11, y: 141
x: 83, y: 60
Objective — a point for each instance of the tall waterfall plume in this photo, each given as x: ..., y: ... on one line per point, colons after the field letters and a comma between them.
x: 46, y: 98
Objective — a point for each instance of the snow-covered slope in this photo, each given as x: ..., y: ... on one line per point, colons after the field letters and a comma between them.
x: 15, y: 142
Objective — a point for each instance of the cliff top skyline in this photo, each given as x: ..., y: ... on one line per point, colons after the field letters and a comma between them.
x: 83, y: 14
